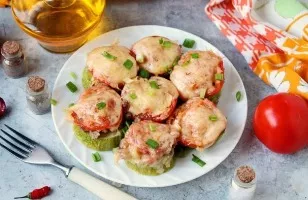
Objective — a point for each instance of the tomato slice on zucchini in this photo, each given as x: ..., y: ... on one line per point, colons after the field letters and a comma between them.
x: 218, y: 83
x: 151, y: 102
x: 87, y: 115
x: 198, y: 74
x: 104, y: 123
x: 200, y: 122
x: 138, y: 150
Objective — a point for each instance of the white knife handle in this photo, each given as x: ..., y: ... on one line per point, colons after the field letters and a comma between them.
x: 97, y: 187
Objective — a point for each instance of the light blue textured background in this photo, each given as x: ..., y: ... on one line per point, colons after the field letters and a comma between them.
x: 282, y: 177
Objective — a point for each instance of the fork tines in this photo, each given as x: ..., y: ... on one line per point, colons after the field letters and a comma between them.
x: 20, y: 146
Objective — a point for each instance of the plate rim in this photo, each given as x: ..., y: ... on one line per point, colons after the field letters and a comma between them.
x: 242, y: 128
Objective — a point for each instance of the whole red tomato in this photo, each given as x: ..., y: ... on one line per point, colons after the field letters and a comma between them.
x: 281, y: 123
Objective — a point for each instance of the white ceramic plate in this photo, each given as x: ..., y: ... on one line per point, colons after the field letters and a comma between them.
x: 184, y: 170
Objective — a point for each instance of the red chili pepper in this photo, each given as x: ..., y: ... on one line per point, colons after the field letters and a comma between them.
x: 2, y: 107
x: 37, y: 193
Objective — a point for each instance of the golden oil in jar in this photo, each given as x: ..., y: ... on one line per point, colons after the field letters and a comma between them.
x: 58, y: 25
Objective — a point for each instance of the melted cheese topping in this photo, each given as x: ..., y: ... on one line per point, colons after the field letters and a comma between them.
x: 134, y: 148
x: 150, y: 101
x: 195, y: 126
x: 90, y: 116
x: 111, y: 72
x: 191, y: 76
x: 156, y: 58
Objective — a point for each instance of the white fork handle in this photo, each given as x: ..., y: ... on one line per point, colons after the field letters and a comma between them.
x: 97, y: 187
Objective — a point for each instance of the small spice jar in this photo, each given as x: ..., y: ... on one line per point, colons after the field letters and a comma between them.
x: 13, y: 59
x: 38, y: 96
x: 243, y: 185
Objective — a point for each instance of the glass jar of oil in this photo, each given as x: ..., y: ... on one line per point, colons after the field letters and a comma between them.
x: 58, y: 25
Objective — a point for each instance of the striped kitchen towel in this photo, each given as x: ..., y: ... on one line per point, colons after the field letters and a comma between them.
x: 272, y: 35
x: 4, y: 3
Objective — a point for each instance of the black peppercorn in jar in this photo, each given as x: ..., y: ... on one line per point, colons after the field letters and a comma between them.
x: 38, y: 96
x: 13, y: 59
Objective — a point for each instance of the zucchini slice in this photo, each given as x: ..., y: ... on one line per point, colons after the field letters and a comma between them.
x: 149, y: 171
x: 105, y: 142
x: 86, y: 78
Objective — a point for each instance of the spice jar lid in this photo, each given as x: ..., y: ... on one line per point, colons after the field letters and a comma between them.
x: 245, y: 176
x: 10, y: 48
x: 36, y: 83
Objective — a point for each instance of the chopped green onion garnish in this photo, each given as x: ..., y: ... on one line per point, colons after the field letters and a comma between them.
x: 197, y: 160
x: 144, y: 73
x: 188, y: 43
x: 71, y: 104
x: 152, y: 127
x: 186, y: 63
x: 128, y: 64
x: 238, y: 95
x: 168, y: 70
x: 71, y: 86
x: 213, y: 118
x: 74, y: 75
x: 53, y: 102
x: 167, y: 44
x: 202, y: 93
x: 195, y: 55
x: 123, y: 131
x: 161, y: 41
x: 215, y: 98
x: 219, y: 77
x: 96, y: 157
x: 154, y: 85
x: 164, y: 43
x: 125, y: 128
x: 133, y: 96
x: 101, y: 105
x: 109, y: 56
x: 152, y: 143
x: 176, y: 60
x: 127, y: 123
x: 140, y: 58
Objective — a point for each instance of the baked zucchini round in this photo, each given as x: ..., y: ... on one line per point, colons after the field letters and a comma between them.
x: 105, y: 142
x: 149, y: 171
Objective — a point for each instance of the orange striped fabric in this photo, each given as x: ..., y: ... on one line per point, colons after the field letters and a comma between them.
x: 4, y: 3
x: 276, y: 48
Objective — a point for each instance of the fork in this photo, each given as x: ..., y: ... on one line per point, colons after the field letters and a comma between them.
x: 29, y: 151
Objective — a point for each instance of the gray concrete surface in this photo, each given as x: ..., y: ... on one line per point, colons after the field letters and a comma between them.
x: 279, y: 176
